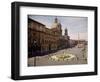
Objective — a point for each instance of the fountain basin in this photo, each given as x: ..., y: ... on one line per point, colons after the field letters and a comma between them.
x: 62, y: 57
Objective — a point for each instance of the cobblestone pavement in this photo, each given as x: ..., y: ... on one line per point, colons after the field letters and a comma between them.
x: 80, y: 58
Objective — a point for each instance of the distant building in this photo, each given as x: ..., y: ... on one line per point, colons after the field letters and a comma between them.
x: 42, y: 39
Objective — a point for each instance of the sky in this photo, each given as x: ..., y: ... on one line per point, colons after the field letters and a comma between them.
x: 75, y: 25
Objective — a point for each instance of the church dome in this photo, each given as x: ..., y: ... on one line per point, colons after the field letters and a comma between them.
x: 56, y: 25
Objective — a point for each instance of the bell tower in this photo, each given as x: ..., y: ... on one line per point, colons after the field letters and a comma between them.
x: 66, y: 32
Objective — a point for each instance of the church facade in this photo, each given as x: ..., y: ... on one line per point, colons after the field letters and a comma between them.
x: 45, y: 40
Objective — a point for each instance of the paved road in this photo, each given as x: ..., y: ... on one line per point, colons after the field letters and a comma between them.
x: 80, y: 58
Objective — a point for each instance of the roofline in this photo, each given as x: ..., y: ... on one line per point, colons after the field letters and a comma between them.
x: 35, y: 21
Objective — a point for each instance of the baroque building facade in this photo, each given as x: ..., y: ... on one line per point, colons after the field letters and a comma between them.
x: 45, y: 40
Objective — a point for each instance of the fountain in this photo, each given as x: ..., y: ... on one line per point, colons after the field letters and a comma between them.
x: 62, y: 57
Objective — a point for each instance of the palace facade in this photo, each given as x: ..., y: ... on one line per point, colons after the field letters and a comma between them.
x: 45, y: 40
